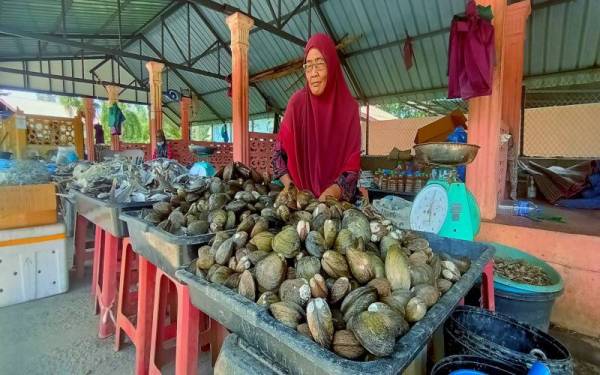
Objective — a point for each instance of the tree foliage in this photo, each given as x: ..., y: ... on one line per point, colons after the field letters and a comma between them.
x: 403, y: 111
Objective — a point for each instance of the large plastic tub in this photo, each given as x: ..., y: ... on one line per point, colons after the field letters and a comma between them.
x: 297, y: 354
x: 163, y: 249
x: 530, y: 304
x: 475, y: 331
x: 105, y: 214
x: 33, y: 263
x: 468, y: 363
x: 506, y: 285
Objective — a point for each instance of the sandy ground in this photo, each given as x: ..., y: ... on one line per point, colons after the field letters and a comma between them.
x: 58, y: 335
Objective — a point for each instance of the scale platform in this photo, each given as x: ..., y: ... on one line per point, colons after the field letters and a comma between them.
x: 445, y: 206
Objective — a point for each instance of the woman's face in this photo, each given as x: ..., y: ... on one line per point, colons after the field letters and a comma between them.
x: 315, y: 69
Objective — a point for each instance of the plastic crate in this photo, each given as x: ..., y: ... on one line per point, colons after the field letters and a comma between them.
x: 33, y: 263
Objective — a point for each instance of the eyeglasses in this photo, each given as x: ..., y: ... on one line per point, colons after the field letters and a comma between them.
x: 318, y: 65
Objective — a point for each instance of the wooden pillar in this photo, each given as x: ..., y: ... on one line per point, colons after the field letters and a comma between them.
x: 184, y: 114
x: 367, y: 131
x: 78, y: 135
x: 20, y: 140
x: 240, y: 26
x: 89, y: 128
x: 486, y: 113
x: 113, y: 97
x: 155, y: 78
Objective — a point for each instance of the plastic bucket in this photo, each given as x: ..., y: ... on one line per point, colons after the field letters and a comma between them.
x: 471, y: 364
x: 531, y: 308
x: 474, y: 331
x: 5, y: 155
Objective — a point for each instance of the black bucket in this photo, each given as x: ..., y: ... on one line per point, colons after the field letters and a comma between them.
x: 531, y: 308
x: 5, y: 155
x: 475, y: 331
x: 474, y: 363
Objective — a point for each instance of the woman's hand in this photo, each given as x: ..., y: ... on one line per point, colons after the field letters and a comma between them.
x: 286, y: 180
x: 333, y: 191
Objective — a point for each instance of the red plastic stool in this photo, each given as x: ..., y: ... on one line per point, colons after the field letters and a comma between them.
x: 127, y: 312
x: 105, y: 279
x: 188, y: 325
x: 82, y: 250
x: 487, y: 287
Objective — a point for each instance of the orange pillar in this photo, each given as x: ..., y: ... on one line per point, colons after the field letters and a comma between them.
x: 240, y: 26
x: 184, y: 114
x: 89, y: 128
x: 486, y: 113
x: 113, y: 97
x: 155, y: 78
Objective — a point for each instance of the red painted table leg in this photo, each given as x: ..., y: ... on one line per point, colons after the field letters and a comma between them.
x: 487, y: 287
x: 144, y: 315
x: 109, y: 286
x: 99, y: 243
x: 188, y: 320
x: 79, y: 242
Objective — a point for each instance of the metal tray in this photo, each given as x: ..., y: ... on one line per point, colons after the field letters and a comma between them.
x: 163, y: 249
x: 297, y: 354
x: 105, y: 214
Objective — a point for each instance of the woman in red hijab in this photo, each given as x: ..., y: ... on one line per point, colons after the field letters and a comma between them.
x: 318, y: 148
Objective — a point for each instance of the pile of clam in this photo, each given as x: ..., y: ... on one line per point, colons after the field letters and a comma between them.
x: 210, y: 205
x: 351, y: 283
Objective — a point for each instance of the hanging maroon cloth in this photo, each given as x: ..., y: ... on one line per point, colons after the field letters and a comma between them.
x: 408, y: 52
x: 228, y: 80
x: 321, y: 134
x: 471, y: 55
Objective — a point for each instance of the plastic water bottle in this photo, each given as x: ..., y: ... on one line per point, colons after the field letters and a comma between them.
x: 525, y: 208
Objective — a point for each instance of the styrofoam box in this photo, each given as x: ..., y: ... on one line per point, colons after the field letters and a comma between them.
x: 33, y: 263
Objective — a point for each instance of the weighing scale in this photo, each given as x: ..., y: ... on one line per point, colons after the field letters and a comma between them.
x: 445, y: 206
x: 202, y: 167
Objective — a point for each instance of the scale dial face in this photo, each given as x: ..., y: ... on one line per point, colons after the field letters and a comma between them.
x: 429, y: 209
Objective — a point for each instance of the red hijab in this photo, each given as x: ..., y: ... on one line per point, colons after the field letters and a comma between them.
x: 321, y: 134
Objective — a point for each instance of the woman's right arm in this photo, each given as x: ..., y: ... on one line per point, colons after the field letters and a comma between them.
x: 279, y: 163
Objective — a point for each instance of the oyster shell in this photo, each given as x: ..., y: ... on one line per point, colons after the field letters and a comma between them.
x: 355, y: 221
x: 318, y: 287
x: 307, y: 267
x: 357, y: 301
x: 360, y: 265
x: 247, y: 286
x: 415, y: 310
x: 344, y: 240
x: 267, y: 298
x: 263, y: 241
x: 372, y: 330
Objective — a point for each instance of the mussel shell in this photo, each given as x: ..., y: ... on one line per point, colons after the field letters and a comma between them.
x: 320, y: 322
x: 361, y: 265
x: 307, y: 267
x: 287, y: 313
x: 346, y: 344
x: 355, y: 221
x: 287, y: 242
x: 334, y: 264
x: 357, y: 301
x: 296, y: 291
x: 315, y: 244
x: 344, y: 240
x: 338, y: 290
x: 372, y: 329
x: 263, y: 241
x: 267, y: 298
x: 271, y: 271
x: 247, y: 286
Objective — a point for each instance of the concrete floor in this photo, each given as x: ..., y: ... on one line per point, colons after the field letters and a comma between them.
x: 59, y: 335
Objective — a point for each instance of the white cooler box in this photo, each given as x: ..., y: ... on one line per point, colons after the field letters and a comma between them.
x: 33, y: 263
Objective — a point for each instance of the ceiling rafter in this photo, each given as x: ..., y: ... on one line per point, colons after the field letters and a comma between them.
x: 107, y: 51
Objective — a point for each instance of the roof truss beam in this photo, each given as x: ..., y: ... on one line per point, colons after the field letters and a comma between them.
x: 107, y: 51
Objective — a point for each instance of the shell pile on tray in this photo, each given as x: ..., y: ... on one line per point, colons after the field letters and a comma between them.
x: 350, y: 283
x: 210, y: 205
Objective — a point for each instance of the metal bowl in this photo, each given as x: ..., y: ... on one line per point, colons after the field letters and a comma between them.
x: 446, y: 154
x: 201, y: 150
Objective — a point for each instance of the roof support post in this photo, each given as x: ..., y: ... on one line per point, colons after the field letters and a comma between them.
x: 486, y: 175
x: 89, y: 128
x: 113, y: 98
x: 240, y: 26
x: 184, y: 114
x: 155, y: 73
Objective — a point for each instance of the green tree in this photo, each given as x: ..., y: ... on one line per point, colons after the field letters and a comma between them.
x: 135, y: 129
x: 172, y: 131
x: 201, y: 133
x: 71, y: 104
x: 403, y: 111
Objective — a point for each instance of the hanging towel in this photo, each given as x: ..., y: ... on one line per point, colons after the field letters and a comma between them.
x: 115, y: 119
x: 99, y: 134
x: 471, y: 54
x: 408, y: 52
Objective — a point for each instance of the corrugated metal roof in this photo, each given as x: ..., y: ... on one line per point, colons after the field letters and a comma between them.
x: 562, y: 47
